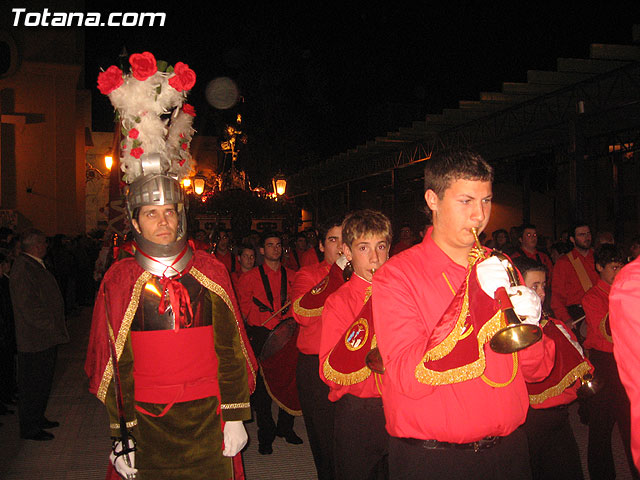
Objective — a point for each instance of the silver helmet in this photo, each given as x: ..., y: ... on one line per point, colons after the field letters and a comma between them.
x: 156, y: 188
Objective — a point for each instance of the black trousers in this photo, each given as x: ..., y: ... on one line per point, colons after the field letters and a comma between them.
x: 267, y: 428
x: 608, y: 406
x: 361, y: 440
x: 553, y: 449
x: 35, y: 377
x: 318, y: 413
x: 508, y: 460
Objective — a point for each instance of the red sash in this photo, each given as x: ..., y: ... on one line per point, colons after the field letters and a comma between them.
x: 174, y: 366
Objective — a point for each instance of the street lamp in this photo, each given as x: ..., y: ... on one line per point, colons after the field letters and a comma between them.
x: 279, y: 184
x: 186, y: 182
x: 108, y: 161
x: 198, y: 185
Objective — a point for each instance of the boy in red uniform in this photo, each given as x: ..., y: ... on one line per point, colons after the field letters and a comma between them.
x: 553, y: 449
x: 611, y: 404
x: 459, y: 421
x: 361, y: 442
x: 317, y: 410
x: 246, y: 260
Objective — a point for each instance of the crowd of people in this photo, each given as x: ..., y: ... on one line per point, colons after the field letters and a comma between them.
x: 384, y: 348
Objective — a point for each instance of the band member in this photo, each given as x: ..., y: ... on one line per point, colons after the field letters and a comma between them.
x: 313, y: 254
x: 317, y: 410
x: 610, y: 404
x: 263, y: 294
x: 167, y: 351
x: 553, y: 449
x: 296, y: 251
x: 452, y: 404
x: 223, y: 251
x: 361, y: 445
x: 246, y: 260
x: 624, y: 305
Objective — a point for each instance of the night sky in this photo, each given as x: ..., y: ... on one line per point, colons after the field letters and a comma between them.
x: 317, y: 81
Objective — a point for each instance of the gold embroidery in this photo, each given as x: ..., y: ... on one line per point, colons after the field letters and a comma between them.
x: 232, y: 406
x: 218, y: 290
x: 122, y: 333
x: 367, y: 293
x: 116, y: 426
x: 304, y: 312
x: 565, y: 383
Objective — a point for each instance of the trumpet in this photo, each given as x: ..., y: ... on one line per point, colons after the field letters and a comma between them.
x: 516, y: 335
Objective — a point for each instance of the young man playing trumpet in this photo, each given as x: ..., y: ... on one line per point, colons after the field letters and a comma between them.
x: 360, y: 440
x: 452, y: 404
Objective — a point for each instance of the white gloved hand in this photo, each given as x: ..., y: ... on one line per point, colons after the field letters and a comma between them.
x: 492, y: 275
x: 526, y: 303
x: 235, y: 438
x: 119, y: 462
x: 342, y: 261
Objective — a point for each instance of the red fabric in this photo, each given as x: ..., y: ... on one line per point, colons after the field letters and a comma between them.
x: 198, y: 245
x: 340, y: 310
x: 567, y: 357
x: 310, y: 327
x: 251, y: 286
x: 279, y: 373
x: 566, y: 288
x: 399, y: 247
x: 291, y: 262
x: 410, y: 296
x: 226, y: 259
x: 117, y: 286
x: 235, y: 277
x: 624, y: 305
x: 309, y: 257
x: 544, y: 259
x: 170, y: 366
x: 596, y: 307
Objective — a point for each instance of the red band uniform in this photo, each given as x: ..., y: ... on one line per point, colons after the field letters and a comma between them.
x: 566, y: 288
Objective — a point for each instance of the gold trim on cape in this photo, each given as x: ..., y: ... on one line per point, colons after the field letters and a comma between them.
x: 565, y: 383
x: 347, y: 378
x: 304, y: 312
x: 233, y: 406
x: 603, y: 328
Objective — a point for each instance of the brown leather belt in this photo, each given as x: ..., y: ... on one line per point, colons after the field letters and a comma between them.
x: 482, y: 444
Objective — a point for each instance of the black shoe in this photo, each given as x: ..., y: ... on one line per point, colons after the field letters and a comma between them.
x: 290, y: 437
x: 265, y: 449
x: 49, y: 424
x: 41, y: 436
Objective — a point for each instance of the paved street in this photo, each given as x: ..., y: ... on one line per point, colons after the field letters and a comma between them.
x: 82, y: 444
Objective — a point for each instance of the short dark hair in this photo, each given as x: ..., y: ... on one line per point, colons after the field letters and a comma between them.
x: 608, y: 253
x: 246, y: 246
x: 575, y: 225
x: 267, y: 235
x: 300, y: 235
x: 561, y: 247
x: 526, y: 264
x: 328, y: 224
x: 443, y: 168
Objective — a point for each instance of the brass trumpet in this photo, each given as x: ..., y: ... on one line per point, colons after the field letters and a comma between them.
x: 516, y: 335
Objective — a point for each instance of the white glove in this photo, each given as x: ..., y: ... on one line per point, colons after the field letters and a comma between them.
x: 526, y: 303
x: 492, y: 275
x: 235, y: 438
x: 120, y: 464
x: 342, y: 261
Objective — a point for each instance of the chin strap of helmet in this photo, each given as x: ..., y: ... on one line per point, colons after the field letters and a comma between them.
x: 174, y: 293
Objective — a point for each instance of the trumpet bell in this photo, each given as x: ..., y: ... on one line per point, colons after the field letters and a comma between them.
x: 374, y: 361
x: 515, y: 337
x: 589, y: 386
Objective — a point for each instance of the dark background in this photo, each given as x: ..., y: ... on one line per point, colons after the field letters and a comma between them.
x: 318, y: 80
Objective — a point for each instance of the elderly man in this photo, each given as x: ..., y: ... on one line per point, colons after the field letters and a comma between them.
x: 38, y: 311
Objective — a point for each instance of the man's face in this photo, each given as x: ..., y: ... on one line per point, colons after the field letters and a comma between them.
x: 582, y: 238
x: 312, y: 238
x: 332, y: 245
x: 609, y: 271
x: 272, y: 249
x: 529, y: 239
x: 247, y: 259
x: 537, y: 281
x: 201, y: 236
x: 405, y: 235
x: 367, y: 254
x: 501, y: 240
x: 464, y: 205
x: 301, y: 243
x: 223, y: 241
x: 157, y: 223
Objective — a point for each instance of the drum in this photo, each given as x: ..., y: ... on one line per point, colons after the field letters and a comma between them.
x: 278, y: 338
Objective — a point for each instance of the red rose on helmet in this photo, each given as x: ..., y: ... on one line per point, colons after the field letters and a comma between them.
x: 133, y: 133
x: 189, y: 110
x: 137, y: 152
x: 109, y: 80
x: 184, y: 78
x: 143, y: 65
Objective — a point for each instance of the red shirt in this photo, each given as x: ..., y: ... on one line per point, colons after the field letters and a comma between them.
x: 251, y: 286
x: 309, y: 257
x: 411, y: 294
x: 398, y: 247
x: 340, y: 310
x: 624, y: 305
x: 291, y: 262
x: 310, y: 327
x: 226, y: 259
x: 235, y: 277
x: 566, y: 288
x: 596, y: 308
x: 539, y: 257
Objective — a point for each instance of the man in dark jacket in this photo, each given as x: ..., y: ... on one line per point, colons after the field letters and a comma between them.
x: 38, y: 311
